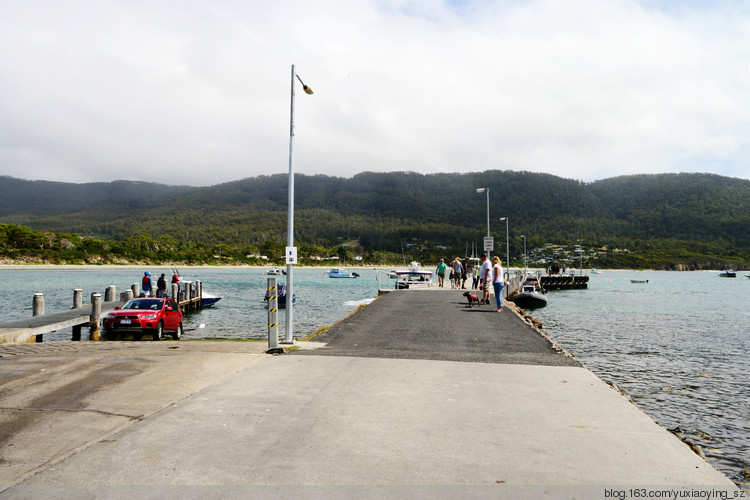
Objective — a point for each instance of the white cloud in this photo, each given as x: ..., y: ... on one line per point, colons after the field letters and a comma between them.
x: 198, y: 92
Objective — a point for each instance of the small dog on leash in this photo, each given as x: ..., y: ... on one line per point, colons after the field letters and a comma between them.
x: 471, y: 297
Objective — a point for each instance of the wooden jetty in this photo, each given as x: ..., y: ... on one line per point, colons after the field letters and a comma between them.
x: 188, y: 294
x: 563, y: 282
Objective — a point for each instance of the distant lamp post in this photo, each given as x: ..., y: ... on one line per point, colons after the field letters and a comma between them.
x: 288, y: 333
x: 580, y: 254
x: 507, y: 243
x: 487, y: 190
x: 524, y: 253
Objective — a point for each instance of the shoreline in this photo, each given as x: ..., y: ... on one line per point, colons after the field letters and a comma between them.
x: 27, y: 267
x: 73, y: 267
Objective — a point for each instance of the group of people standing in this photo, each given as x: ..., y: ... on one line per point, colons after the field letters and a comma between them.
x: 147, y: 284
x: 458, y: 271
x: 489, y: 272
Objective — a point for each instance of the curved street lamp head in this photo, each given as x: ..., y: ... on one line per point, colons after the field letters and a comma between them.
x: 480, y: 190
x: 503, y: 218
x: 307, y: 89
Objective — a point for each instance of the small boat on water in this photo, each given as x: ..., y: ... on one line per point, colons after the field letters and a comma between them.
x: 728, y: 273
x: 281, y: 296
x: 531, y: 295
x: 274, y: 271
x: 639, y: 281
x: 340, y: 272
x: 595, y: 271
x: 208, y: 300
x: 415, y: 274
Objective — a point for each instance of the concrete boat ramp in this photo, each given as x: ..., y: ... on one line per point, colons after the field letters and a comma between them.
x: 414, y: 396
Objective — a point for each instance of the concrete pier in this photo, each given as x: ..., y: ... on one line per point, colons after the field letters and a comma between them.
x: 415, y: 395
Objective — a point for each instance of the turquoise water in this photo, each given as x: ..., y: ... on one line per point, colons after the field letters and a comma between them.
x: 678, y: 345
x: 241, y: 312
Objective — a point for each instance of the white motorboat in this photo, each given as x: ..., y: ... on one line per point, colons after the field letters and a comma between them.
x: 531, y: 295
x: 339, y: 272
x: 415, y: 274
x: 207, y: 299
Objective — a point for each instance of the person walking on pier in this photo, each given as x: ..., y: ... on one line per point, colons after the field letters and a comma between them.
x: 474, y: 277
x: 485, y: 275
x: 146, y: 284
x: 466, y: 273
x: 498, y: 281
x: 458, y: 271
x: 441, y: 272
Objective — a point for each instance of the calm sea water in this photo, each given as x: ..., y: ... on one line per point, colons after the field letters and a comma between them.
x: 678, y: 345
x: 241, y: 312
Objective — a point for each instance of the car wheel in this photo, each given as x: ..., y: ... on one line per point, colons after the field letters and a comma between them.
x: 178, y: 333
x: 159, y: 332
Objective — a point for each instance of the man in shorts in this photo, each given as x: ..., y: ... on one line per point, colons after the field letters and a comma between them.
x: 485, y: 278
x: 441, y: 272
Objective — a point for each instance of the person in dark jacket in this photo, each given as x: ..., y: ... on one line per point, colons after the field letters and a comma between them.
x: 161, y: 286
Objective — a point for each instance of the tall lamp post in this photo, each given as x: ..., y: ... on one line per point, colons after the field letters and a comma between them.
x: 507, y: 243
x: 580, y: 254
x: 288, y: 333
x: 524, y: 253
x: 487, y: 190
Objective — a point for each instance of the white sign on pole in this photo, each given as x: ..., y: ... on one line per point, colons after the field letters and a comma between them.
x: 291, y: 255
x: 489, y: 244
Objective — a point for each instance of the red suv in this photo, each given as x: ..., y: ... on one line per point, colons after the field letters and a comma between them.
x: 150, y: 316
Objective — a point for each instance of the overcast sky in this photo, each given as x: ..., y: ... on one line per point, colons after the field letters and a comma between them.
x: 198, y: 91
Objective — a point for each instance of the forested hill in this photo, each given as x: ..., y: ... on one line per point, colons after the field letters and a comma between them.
x: 387, y: 210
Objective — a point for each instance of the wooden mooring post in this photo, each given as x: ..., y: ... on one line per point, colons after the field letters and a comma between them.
x: 77, y: 304
x: 96, y: 316
x: 38, y: 310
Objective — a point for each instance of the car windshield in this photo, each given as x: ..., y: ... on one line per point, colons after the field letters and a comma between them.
x: 151, y: 304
